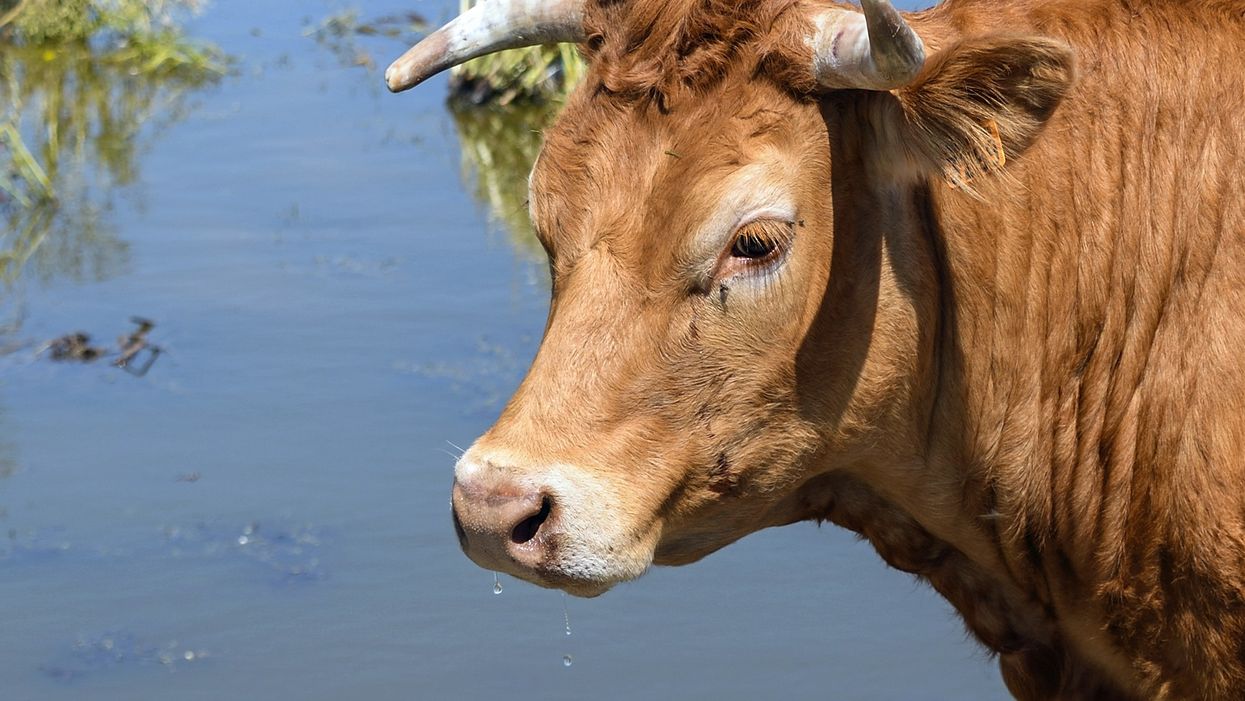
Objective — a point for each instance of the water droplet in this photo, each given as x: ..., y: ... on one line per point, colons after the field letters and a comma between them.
x: 496, y: 584
x: 566, y: 660
x: 189, y: 655
x: 243, y: 540
x: 566, y: 616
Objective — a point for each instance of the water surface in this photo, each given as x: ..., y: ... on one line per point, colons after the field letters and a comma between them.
x: 265, y: 513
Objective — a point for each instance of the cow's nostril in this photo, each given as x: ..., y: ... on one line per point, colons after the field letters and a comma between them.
x: 528, y: 527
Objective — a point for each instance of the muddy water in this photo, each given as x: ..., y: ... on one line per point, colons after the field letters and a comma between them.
x: 264, y: 514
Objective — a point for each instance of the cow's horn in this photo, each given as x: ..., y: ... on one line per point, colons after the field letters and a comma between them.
x: 492, y: 25
x: 876, y: 50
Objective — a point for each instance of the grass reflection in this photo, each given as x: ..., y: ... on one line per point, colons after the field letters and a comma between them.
x: 500, y: 103
x: 499, y: 145
x: 532, y: 73
x: 84, y: 87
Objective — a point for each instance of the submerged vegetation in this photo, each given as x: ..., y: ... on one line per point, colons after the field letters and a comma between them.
x: 339, y: 33
x: 499, y: 146
x: 83, y: 84
x: 501, y: 102
x: 530, y: 74
x: 86, y: 84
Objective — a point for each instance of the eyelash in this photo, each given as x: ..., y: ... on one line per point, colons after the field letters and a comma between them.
x: 772, y: 238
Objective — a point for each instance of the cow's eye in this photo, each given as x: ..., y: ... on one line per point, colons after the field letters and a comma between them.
x: 761, y: 241
x: 756, y: 248
x: 750, y: 245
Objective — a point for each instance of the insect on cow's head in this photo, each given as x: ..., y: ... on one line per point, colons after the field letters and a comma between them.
x: 726, y: 326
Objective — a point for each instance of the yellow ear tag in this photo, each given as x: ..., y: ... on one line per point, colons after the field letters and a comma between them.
x: 1000, y: 155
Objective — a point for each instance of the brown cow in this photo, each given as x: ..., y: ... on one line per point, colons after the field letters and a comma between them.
x: 969, y: 282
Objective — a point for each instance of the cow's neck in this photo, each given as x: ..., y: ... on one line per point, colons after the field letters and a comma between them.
x: 971, y: 509
x: 1066, y: 384
x: 983, y: 501
x: 1094, y: 349
x: 1057, y: 461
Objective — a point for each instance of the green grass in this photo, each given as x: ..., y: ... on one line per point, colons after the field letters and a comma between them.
x: 84, y: 80
x: 142, y: 32
x: 533, y: 73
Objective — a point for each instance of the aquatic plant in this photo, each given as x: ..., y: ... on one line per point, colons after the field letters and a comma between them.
x: 338, y: 33
x: 533, y: 73
x: 499, y: 147
x: 147, y: 32
x: 82, y: 83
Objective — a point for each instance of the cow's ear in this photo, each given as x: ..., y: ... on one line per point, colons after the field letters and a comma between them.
x: 980, y: 102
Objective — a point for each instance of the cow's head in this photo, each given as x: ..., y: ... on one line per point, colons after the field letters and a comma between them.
x: 743, y: 296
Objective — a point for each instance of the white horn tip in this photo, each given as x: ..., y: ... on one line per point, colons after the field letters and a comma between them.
x: 396, y: 79
x: 419, y: 63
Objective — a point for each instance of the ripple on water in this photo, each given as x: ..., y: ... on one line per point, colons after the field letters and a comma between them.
x: 290, y: 552
x: 32, y: 547
x: 111, y: 650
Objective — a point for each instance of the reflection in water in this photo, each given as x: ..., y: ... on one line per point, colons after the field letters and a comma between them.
x: 8, y: 466
x: 499, y: 145
x: 500, y: 102
x: 339, y: 33
x: 91, y: 655
x: 530, y: 73
x: 82, y: 92
x: 8, y: 459
x: 10, y: 327
x: 85, y: 85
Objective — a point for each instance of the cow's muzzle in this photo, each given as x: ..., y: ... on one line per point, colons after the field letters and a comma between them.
x: 503, y: 525
x: 551, y: 523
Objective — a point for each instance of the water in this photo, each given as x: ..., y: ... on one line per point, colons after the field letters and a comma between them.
x: 566, y: 617
x: 271, y: 499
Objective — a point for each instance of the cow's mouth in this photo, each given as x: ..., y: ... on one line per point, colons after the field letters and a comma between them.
x: 566, y: 563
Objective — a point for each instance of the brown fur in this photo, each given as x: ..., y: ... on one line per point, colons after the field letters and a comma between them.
x: 1020, y: 378
x: 669, y: 51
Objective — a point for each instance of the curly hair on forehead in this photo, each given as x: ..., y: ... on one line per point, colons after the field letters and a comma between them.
x: 659, y: 49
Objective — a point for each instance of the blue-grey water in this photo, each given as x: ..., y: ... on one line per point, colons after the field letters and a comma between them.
x: 264, y: 515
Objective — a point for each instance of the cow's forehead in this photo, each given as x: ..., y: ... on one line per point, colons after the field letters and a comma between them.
x: 649, y: 182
